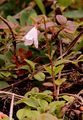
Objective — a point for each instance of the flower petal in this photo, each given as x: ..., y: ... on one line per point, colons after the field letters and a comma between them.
x: 28, y: 41
x: 70, y: 27
x: 61, y: 19
x: 36, y: 38
x: 31, y: 37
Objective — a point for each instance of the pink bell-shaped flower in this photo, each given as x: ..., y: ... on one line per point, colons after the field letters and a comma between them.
x: 31, y: 37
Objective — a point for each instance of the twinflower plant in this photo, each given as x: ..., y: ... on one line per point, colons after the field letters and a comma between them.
x: 31, y: 37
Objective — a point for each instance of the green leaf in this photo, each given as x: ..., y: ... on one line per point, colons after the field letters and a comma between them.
x: 60, y: 81
x: 7, y: 118
x: 55, y: 107
x: 35, y: 90
x: 64, y: 3
x: 44, y: 96
x: 2, y: 60
x: 57, y: 69
x: 48, y: 69
x: 37, y: 95
x: 32, y: 92
x: 48, y: 92
x: 22, y: 113
x: 31, y: 102
x: 3, y: 84
x: 40, y: 76
x: 32, y: 64
x: 79, y: 46
x: 31, y: 16
x: 74, y: 14
x: 41, y: 6
x: 68, y: 98
x: 25, y: 67
x: 8, y: 55
x: 27, y: 113
x: 5, y: 74
x: 21, y: 45
x: 43, y: 105
x: 23, y: 18
x: 12, y: 19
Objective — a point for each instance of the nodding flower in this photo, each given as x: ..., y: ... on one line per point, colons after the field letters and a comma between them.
x: 69, y: 26
x: 31, y: 37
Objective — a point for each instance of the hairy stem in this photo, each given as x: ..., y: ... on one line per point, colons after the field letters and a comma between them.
x: 51, y: 62
x: 53, y: 79
x: 59, y: 75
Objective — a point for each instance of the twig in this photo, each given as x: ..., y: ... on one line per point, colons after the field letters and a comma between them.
x: 72, y: 86
x: 81, y: 92
x: 13, y: 36
x: 11, y: 107
x: 10, y: 94
x: 15, y: 84
x: 71, y: 45
x: 74, y: 95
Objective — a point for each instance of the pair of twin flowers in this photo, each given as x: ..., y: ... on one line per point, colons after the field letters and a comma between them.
x: 32, y: 36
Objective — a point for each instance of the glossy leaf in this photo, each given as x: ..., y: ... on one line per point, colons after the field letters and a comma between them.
x: 25, y: 67
x: 43, y: 105
x: 44, y: 96
x: 37, y: 95
x: 48, y: 92
x: 27, y: 113
x: 48, y: 69
x: 31, y: 102
x: 68, y: 98
x: 31, y: 63
x: 57, y: 69
x: 55, y: 108
x: 60, y: 81
x: 40, y: 76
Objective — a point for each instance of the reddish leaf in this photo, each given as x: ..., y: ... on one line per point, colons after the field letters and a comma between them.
x: 19, y: 59
x: 2, y: 115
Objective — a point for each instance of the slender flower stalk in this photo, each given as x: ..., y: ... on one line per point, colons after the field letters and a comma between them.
x: 51, y: 62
